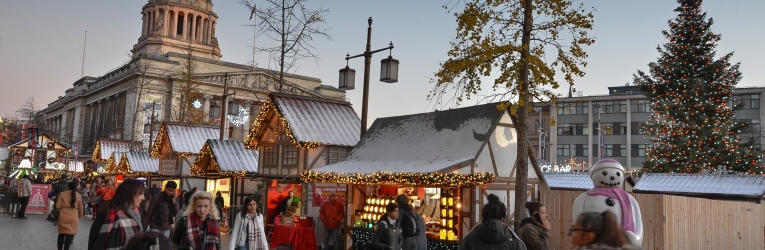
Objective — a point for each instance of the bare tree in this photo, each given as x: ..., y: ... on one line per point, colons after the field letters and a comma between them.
x: 28, y: 110
x: 146, y: 73
x: 293, y: 26
x: 187, y: 91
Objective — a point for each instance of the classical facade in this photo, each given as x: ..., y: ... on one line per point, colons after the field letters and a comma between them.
x: 176, y: 33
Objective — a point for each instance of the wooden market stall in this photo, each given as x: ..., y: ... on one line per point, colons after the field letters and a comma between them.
x: 176, y: 147
x: 107, y: 153
x: 448, y: 161
x: 227, y: 165
x: 139, y: 165
x: 296, y: 133
x: 47, y: 156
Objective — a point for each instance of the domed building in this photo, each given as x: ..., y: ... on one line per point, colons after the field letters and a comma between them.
x: 176, y: 74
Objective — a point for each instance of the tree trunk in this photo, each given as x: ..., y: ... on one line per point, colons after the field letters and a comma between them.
x: 284, y: 45
x: 522, y: 166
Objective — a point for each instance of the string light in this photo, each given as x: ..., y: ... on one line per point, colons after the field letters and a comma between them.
x: 260, y: 123
x: 388, y: 178
x: 692, y: 127
x: 156, y: 148
x: 206, y: 155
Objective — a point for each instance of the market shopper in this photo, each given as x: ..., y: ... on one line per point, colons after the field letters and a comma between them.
x: 492, y: 233
x: 70, y: 207
x: 24, y: 191
x: 198, y: 228
x: 106, y: 192
x: 331, y: 213
x: 387, y: 236
x: 120, y: 221
x: 598, y: 231
x: 285, y: 204
x: 408, y: 221
x: 534, y: 230
x: 162, y: 209
x: 94, y: 198
x: 248, y: 232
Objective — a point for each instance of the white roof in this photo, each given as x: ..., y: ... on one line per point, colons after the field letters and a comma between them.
x: 327, y: 122
x: 142, y: 162
x: 232, y: 156
x: 187, y: 138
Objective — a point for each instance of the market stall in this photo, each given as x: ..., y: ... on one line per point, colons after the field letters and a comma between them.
x: 176, y: 147
x: 138, y: 165
x: 47, y: 156
x: 446, y: 161
x: 107, y: 154
x: 226, y: 164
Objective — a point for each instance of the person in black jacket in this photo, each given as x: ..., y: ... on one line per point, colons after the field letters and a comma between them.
x: 408, y: 221
x: 388, y: 234
x: 492, y: 233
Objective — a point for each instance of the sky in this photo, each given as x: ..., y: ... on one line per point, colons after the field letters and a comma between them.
x: 41, y: 44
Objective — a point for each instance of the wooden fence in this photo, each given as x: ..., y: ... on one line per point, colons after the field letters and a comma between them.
x: 674, y: 222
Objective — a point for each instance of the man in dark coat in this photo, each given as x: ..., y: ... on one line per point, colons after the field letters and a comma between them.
x: 492, y: 233
x: 162, y: 208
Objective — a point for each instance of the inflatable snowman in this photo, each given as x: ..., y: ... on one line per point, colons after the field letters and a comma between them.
x: 607, y: 195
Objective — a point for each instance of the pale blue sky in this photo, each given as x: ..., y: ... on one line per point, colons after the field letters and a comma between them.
x: 41, y: 46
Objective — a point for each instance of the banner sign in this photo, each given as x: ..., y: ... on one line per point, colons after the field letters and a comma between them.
x: 321, y: 194
x: 38, y: 202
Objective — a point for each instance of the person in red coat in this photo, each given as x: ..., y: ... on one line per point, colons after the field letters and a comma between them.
x: 331, y: 214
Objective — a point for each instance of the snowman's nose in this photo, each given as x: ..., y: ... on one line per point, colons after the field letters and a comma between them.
x: 612, y: 178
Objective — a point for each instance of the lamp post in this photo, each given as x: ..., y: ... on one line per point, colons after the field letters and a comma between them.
x: 600, y: 131
x: 540, y: 131
x: 388, y: 73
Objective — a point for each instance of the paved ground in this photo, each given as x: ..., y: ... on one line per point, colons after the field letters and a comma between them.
x: 39, y: 234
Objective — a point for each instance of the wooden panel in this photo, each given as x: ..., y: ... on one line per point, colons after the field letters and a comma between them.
x: 674, y: 222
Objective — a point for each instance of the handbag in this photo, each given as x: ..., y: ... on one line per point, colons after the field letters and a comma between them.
x: 53, y: 216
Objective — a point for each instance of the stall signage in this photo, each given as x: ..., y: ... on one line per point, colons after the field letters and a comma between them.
x: 321, y: 194
x: 168, y: 167
x: 38, y: 202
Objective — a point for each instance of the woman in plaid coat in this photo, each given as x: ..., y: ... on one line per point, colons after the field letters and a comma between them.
x: 115, y: 225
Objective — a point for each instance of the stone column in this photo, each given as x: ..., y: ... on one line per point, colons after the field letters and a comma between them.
x: 143, y: 24
x: 185, y: 25
x: 166, y: 23
x: 174, y: 27
x: 193, y: 27
x: 209, y: 31
x: 154, y: 21
x: 206, y: 106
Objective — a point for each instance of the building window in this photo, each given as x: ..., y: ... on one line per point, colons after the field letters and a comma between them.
x: 595, y: 150
x: 270, y: 156
x: 639, y: 106
x: 748, y: 101
x: 636, y: 128
x: 608, y: 128
x: 289, y: 155
x: 620, y: 128
x: 612, y: 107
x: 214, y: 110
x: 638, y: 150
x: 623, y: 150
x: 575, y: 108
x: 564, y: 150
x: 754, y: 125
x: 609, y: 150
x: 336, y: 154
x: 581, y: 150
x: 572, y: 129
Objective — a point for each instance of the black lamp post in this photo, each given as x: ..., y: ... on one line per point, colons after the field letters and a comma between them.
x: 388, y: 73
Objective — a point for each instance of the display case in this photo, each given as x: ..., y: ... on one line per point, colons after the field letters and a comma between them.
x: 449, y: 214
x: 374, y: 208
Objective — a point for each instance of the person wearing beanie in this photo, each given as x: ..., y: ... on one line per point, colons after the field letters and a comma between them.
x: 162, y: 208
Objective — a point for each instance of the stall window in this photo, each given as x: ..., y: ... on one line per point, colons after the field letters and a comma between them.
x: 289, y: 155
x: 336, y: 154
x: 270, y: 159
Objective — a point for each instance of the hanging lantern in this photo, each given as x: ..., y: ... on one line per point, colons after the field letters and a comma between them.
x: 347, y: 78
x: 389, y: 70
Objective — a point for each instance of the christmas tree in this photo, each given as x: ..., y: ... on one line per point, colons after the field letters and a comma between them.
x: 692, y: 126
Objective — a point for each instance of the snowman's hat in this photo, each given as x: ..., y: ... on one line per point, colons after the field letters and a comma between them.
x: 605, y: 164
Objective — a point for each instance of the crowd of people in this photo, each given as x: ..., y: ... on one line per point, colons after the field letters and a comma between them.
x: 130, y: 216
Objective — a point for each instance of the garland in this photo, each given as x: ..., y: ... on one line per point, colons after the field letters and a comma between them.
x: 386, y: 177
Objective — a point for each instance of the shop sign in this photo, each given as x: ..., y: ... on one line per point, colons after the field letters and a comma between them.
x: 38, y: 201
x: 321, y: 194
x: 168, y: 167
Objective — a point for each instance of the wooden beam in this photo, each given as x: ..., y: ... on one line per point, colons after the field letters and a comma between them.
x: 493, y: 161
x: 506, y: 124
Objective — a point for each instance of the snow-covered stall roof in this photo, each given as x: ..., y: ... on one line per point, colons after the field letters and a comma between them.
x: 227, y: 156
x: 569, y: 181
x: 703, y: 185
x: 139, y: 162
x: 422, y: 143
x: 105, y: 147
x: 43, y: 140
x: 183, y: 138
x: 311, y: 121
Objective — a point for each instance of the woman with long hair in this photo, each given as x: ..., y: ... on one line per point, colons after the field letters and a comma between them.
x: 182, y: 198
x: 594, y: 231
x: 198, y: 228
x: 248, y: 232
x: 220, y: 203
x: 119, y: 222
x: 69, y: 205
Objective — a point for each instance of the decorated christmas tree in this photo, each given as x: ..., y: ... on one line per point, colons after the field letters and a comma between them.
x: 692, y: 127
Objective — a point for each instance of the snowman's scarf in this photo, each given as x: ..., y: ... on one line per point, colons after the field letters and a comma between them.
x: 628, y: 223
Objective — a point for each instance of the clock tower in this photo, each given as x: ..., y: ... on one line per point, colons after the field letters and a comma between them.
x: 178, y: 26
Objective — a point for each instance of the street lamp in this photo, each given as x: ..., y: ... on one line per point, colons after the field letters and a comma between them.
x: 388, y: 73
x: 600, y: 131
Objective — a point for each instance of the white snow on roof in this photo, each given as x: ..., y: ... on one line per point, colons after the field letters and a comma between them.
x: 185, y: 138
x: 323, y: 121
x: 142, y: 162
x: 427, y: 142
x: 232, y: 156
x: 107, y: 146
